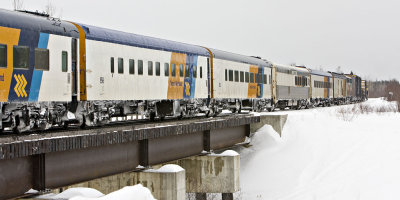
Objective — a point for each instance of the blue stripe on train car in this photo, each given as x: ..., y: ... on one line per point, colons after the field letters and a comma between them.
x: 189, y: 87
x: 37, y: 74
x: 21, y: 78
x: 260, y: 85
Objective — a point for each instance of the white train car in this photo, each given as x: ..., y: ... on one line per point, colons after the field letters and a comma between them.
x: 292, y: 86
x: 339, y: 88
x: 322, y: 88
x: 128, y: 74
x: 241, y: 82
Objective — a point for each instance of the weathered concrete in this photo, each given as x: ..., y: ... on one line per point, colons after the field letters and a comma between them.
x: 163, y: 185
x: 276, y: 121
x: 212, y: 173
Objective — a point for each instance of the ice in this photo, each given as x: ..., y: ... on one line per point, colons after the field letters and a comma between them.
x: 323, y: 156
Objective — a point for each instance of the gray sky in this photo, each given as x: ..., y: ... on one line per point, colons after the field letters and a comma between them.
x: 358, y: 35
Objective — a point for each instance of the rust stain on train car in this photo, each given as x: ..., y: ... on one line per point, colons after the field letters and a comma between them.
x: 252, y: 90
x: 9, y: 37
x: 175, y: 83
x: 82, y: 63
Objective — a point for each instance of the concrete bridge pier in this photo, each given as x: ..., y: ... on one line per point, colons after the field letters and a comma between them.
x: 213, y: 173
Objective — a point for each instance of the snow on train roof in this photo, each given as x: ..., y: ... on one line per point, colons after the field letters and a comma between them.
x: 131, y: 39
x: 337, y: 75
x: 288, y: 67
x: 240, y: 58
x: 36, y: 22
x: 320, y: 73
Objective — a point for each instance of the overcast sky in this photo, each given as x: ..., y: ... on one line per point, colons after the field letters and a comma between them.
x: 358, y: 35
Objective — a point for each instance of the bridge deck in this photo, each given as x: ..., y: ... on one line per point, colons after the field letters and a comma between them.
x: 61, y: 158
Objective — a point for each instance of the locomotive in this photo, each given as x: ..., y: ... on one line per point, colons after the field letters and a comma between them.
x: 54, y: 73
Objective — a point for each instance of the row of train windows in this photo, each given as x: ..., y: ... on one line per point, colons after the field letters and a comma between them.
x: 321, y: 84
x: 150, y: 68
x: 21, y: 55
x: 301, y: 81
x: 241, y: 76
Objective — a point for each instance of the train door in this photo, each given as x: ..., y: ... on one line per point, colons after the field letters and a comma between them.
x: 273, y: 84
x: 74, y: 75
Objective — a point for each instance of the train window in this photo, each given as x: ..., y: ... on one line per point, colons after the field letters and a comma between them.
x: 150, y: 68
x: 241, y: 76
x: 226, y: 75
x: 42, y: 59
x: 3, y: 55
x: 256, y: 78
x: 246, y: 77
x: 201, y: 72
x: 120, y: 65
x: 251, y: 77
x: 166, y: 69
x: 140, y: 67
x: 265, y: 79
x: 181, y: 70
x: 112, y: 64
x: 64, y: 61
x: 194, y: 71
x: 131, y: 66
x: 157, y: 68
x: 230, y: 75
x: 236, y: 76
x: 295, y: 80
x: 21, y: 57
x: 187, y: 71
x: 173, y: 70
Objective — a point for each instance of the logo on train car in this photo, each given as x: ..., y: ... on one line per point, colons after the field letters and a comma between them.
x: 20, y: 86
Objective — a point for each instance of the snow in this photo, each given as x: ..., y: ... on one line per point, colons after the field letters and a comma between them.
x: 137, y: 192
x: 73, y: 192
x: 226, y: 153
x: 326, y: 153
x: 170, y: 168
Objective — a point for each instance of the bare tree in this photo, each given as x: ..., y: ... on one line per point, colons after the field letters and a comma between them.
x: 18, y: 4
x: 50, y: 9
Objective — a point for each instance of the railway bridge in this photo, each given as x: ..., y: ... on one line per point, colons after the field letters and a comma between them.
x: 60, y: 158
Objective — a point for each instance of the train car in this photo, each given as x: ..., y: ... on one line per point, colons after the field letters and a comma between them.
x: 322, y: 88
x: 240, y: 82
x: 37, y: 69
x: 292, y: 87
x: 339, y: 88
x: 128, y: 74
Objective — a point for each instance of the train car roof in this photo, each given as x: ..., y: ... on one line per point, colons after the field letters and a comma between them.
x: 36, y: 22
x: 293, y: 68
x: 337, y: 75
x: 131, y: 39
x: 219, y: 54
x: 320, y: 73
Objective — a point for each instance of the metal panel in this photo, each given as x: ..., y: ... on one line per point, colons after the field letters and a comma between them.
x: 172, y: 148
x: 15, y: 177
x: 289, y: 92
x: 223, y: 138
x: 69, y: 167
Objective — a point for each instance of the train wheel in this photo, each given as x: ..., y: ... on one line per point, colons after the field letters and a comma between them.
x: 152, y: 116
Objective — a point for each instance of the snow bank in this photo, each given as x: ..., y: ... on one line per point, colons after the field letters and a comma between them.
x: 73, y: 192
x: 170, y: 168
x: 137, y: 192
x: 321, y: 156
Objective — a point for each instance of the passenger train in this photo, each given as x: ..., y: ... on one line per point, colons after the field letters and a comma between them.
x: 54, y: 73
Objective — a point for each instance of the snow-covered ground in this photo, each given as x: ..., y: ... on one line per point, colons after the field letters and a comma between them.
x: 338, y: 152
